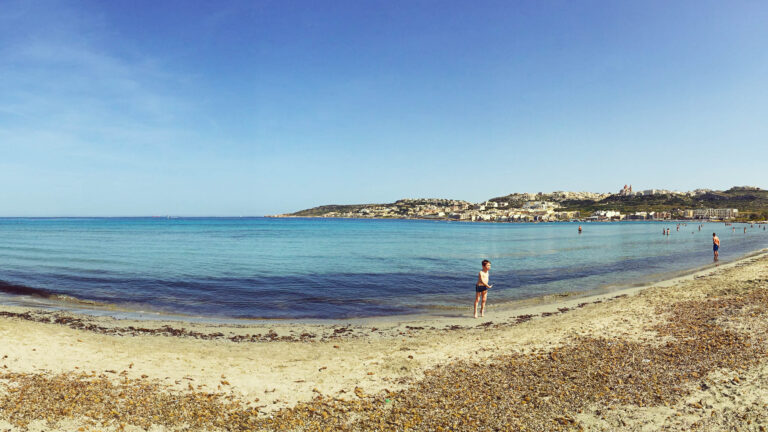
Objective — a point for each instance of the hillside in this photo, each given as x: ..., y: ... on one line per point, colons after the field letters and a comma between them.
x: 332, y: 208
x: 751, y: 202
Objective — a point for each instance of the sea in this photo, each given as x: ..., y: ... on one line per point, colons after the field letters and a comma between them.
x: 323, y: 268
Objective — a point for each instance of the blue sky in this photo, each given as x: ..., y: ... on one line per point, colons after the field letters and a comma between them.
x: 261, y: 107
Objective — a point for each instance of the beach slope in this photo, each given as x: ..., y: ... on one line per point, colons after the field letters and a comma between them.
x: 686, y: 354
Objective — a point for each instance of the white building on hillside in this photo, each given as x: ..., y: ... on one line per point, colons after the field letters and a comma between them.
x: 724, y: 213
x: 539, y: 205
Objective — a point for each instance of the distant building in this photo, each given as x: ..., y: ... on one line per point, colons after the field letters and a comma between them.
x: 567, y: 215
x: 539, y: 205
x: 626, y: 190
x: 638, y: 216
x: 608, y: 215
x: 715, y: 213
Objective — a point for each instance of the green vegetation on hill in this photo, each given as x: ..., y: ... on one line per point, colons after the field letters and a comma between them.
x: 752, y: 204
x: 322, y: 210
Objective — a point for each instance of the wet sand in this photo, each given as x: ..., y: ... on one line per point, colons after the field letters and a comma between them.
x: 685, y: 353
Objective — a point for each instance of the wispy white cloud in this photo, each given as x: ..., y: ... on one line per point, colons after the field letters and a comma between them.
x: 66, y: 86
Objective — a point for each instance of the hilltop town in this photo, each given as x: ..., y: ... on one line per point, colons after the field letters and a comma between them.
x: 737, y: 203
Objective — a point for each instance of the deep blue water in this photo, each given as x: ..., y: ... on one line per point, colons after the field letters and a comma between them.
x: 337, y: 268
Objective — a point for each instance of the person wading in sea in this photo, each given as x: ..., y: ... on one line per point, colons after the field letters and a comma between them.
x: 481, y: 287
x: 715, y: 245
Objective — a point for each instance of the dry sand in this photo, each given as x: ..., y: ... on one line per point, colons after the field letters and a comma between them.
x: 275, y: 366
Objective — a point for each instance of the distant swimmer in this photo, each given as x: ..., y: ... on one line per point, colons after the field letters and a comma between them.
x: 715, y: 245
x: 579, y: 229
x: 667, y: 231
x: 481, y: 287
x: 745, y: 230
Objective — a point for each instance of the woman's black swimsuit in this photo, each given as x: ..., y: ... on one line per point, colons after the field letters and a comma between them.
x: 480, y: 288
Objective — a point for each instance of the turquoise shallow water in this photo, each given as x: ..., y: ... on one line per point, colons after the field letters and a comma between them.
x: 337, y: 268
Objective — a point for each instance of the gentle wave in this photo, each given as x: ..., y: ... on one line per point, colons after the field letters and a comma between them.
x: 307, y: 268
x: 16, y: 289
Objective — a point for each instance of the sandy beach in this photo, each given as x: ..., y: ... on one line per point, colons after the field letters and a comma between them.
x: 687, y: 353
x: 273, y: 216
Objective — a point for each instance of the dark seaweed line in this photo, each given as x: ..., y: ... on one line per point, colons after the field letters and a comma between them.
x: 333, y: 332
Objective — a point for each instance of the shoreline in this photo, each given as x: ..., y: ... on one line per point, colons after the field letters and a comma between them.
x: 94, y: 311
x: 193, y: 326
x: 275, y: 368
x: 576, y: 220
